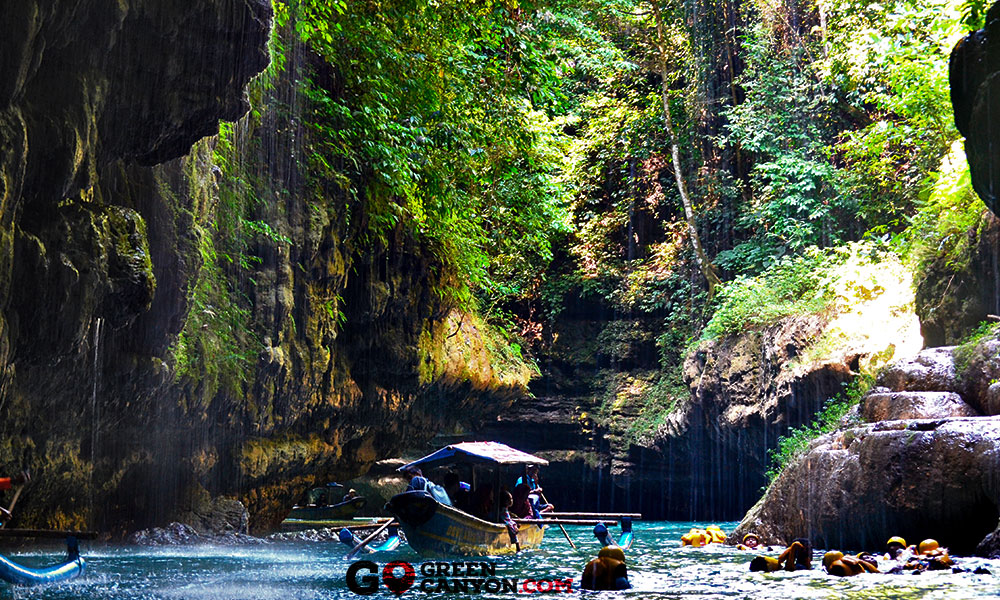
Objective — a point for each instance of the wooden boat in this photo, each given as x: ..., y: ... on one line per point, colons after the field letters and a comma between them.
x: 434, y: 528
x: 328, y: 512
x: 18, y: 574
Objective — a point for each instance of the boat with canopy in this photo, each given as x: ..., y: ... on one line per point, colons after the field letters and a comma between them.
x: 434, y: 527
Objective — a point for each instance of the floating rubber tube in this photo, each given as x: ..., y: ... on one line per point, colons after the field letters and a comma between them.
x: 348, y: 538
x: 12, y: 572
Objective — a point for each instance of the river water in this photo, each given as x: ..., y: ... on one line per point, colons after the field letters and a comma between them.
x: 658, y: 568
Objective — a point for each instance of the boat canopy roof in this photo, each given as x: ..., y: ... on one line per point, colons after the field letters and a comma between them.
x: 493, y: 453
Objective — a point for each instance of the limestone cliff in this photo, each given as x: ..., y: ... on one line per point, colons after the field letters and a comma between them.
x: 163, y: 340
x: 921, y: 464
x: 619, y: 439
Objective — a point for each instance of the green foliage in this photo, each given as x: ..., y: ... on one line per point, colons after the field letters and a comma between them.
x: 890, y: 65
x: 946, y: 226
x: 216, y: 346
x: 430, y: 120
x: 833, y: 416
x: 656, y: 405
x: 792, y: 285
x: 788, y: 121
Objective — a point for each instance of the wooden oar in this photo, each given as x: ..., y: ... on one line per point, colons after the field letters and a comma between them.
x: 563, y: 529
x: 371, y: 537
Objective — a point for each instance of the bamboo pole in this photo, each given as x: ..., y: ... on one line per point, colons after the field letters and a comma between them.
x: 368, y: 539
x: 609, y: 523
x: 591, y: 515
x: 561, y: 528
x: 48, y: 533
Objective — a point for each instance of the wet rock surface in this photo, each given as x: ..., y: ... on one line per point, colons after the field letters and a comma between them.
x: 891, y: 406
x: 920, y: 469
x: 932, y: 369
x: 856, y: 488
x: 179, y: 534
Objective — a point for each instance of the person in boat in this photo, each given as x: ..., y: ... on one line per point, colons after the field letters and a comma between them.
x: 457, y: 490
x: 482, y: 502
x: 418, y: 483
x: 521, y: 506
x: 5, y: 484
x: 530, y: 478
x: 607, y: 571
x: 836, y: 563
x: 796, y: 557
x: 350, y: 495
x: 507, y: 500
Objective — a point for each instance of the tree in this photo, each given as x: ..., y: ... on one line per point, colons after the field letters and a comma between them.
x: 705, y: 265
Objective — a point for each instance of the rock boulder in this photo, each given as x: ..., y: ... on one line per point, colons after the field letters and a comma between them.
x: 856, y: 488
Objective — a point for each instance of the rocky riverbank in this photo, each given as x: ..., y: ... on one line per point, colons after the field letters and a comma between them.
x: 922, y: 461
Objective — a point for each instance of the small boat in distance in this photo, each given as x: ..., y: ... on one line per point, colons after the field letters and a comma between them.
x: 327, y: 504
x: 435, y: 528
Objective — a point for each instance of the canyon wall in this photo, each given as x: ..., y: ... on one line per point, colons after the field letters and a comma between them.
x: 157, y: 351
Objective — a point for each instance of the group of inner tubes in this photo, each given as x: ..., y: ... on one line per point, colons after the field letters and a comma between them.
x: 898, y: 557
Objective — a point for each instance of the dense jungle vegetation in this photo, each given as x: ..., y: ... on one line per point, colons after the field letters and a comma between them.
x: 700, y: 166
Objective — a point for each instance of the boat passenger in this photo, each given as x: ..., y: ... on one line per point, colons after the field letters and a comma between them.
x: 482, y: 501
x: 537, y: 506
x: 350, y: 495
x: 506, y: 502
x: 417, y: 481
x: 837, y: 564
x: 607, y: 571
x: 457, y: 490
x: 521, y: 505
x: 530, y: 478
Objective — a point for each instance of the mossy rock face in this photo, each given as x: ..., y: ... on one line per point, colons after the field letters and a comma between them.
x: 955, y: 294
x: 181, y: 328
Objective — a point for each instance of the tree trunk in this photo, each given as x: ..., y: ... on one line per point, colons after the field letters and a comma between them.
x: 707, y: 269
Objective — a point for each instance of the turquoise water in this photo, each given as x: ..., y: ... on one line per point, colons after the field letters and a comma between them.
x: 658, y: 568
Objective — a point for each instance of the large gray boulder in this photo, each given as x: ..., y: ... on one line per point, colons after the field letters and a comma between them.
x: 919, y: 479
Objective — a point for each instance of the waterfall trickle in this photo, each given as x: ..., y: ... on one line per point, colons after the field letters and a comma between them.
x: 95, y: 414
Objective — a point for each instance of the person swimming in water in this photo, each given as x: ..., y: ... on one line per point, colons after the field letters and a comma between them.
x: 930, y: 557
x: 607, y: 571
x: 836, y: 563
x: 750, y: 542
x: 895, y: 548
x: 796, y: 557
